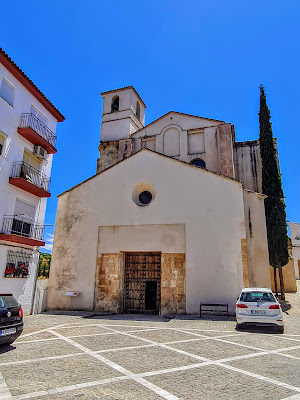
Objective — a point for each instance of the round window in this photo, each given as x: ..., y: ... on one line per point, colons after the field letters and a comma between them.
x: 143, y: 194
x: 145, y: 197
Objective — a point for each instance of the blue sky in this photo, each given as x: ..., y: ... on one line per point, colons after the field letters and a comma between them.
x: 200, y: 57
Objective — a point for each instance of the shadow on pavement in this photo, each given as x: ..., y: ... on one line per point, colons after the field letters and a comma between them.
x: 5, y: 348
x: 268, y: 330
x: 285, y: 306
x: 141, y: 317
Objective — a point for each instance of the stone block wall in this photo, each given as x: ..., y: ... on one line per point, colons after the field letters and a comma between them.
x: 173, y: 283
x: 112, y: 152
x: 109, y: 283
x: 109, y: 291
x: 109, y: 155
x: 245, y: 262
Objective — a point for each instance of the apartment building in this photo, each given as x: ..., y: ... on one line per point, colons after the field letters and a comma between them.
x: 27, y: 144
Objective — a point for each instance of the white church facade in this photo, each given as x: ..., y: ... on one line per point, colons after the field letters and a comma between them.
x: 173, y: 217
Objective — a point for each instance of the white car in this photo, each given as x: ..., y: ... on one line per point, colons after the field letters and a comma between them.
x: 258, y: 306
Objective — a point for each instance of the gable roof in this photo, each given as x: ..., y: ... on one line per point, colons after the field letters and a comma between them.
x: 125, y: 88
x: 179, y: 113
x: 16, y: 71
x: 158, y: 154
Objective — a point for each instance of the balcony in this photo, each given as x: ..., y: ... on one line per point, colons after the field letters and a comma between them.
x: 21, y: 229
x: 32, y: 129
x: 25, y: 177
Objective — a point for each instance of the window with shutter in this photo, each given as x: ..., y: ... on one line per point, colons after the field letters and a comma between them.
x: 23, y: 208
x: 31, y: 160
x: 7, y: 92
x: 23, y: 218
x: 39, y: 115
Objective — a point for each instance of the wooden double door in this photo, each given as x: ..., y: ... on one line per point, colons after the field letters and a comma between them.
x: 142, y: 283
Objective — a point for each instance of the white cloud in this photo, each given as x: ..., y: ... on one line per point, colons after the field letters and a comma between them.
x: 50, y: 237
x: 49, y: 242
x: 48, y: 246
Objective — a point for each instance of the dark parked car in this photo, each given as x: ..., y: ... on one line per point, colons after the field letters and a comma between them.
x: 11, y: 319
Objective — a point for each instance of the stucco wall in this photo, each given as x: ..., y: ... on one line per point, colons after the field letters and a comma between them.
x: 210, y: 206
x: 295, y: 237
x: 247, y: 162
x: 181, y: 136
x: 289, y: 278
x: 225, y: 150
x: 121, y: 124
x: 296, y: 258
x: 127, y: 101
x: 256, y: 239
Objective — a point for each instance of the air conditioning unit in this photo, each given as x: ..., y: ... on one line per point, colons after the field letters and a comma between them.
x: 40, y: 152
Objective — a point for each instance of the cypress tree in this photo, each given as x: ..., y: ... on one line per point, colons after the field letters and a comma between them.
x: 272, y: 187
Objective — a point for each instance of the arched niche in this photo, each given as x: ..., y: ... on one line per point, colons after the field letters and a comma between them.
x: 171, y: 141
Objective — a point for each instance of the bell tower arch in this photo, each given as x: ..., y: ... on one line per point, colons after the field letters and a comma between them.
x: 123, y: 114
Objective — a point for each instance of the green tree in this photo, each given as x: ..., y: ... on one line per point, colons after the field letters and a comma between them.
x: 272, y: 187
x: 44, y: 265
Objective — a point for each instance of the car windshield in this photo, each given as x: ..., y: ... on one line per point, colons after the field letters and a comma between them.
x: 257, y: 296
x: 8, y: 301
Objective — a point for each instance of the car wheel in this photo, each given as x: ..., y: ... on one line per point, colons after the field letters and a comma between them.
x: 239, y: 327
x: 280, y: 329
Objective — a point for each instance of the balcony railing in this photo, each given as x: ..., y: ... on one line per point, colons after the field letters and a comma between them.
x: 31, y: 121
x: 32, y: 175
x: 22, y: 225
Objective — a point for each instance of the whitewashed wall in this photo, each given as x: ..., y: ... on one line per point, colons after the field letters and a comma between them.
x: 210, y: 206
x: 21, y: 288
x: 121, y: 124
x: 183, y: 137
x: 257, y: 242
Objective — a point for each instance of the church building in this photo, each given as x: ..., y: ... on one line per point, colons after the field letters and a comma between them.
x: 173, y: 217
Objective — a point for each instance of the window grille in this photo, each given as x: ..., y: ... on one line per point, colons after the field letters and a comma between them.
x: 17, y: 265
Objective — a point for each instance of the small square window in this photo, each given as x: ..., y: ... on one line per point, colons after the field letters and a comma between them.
x: 7, y: 92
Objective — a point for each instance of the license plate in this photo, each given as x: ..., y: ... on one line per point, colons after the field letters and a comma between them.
x: 8, y: 331
x: 258, y: 311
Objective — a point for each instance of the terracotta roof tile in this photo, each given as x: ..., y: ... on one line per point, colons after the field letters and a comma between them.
x: 29, y: 85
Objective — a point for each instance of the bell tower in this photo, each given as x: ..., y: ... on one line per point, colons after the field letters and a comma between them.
x: 123, y: 114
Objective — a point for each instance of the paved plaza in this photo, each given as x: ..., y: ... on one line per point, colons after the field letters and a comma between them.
x: 138, y: 357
